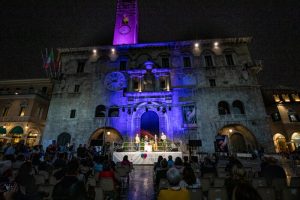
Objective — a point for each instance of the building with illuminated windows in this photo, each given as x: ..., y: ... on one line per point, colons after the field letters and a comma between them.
x: 283, y: 106
x: 23, y: 109
x: 198, y: 90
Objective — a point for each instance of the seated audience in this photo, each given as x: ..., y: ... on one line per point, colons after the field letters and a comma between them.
x: 189, y: 179
x: 174, y: 192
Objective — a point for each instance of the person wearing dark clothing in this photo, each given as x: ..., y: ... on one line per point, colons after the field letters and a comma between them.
x: 161, y: 172
x: 70, y: 188
x: 273, y: 171
x: 26, y: 181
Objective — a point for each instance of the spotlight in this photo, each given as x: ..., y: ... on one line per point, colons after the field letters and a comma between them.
x: 94, y: 51
x: 113, y: 50
x: 196, y: 45
x: 216, y: 44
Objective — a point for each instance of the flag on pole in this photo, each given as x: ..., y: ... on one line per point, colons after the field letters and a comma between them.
x: 50, y: 60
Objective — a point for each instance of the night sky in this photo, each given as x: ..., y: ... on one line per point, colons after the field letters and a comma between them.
x: 28, y: 26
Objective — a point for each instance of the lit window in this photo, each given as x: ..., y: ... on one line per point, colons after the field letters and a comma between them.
x: 276, y: 98
x: 294, y: 117
x: 286, y: 97
x: 296, y: 97
x: 22, y: 112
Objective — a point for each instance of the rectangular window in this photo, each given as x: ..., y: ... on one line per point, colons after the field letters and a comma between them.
x: 5, y: 112
x: 135, y: 85
x: 229, y: 59
x: 80, y: 66
x: 186, y: 61
x: 123, y: 65
x: 294, y: 117
x: 162, y: 84
x: 276, y: 117
x: 76, y: 89
x: 208, y: 61
x: 22, y: 112
x: 165, y: 63
x: 212, y: 82
x: 73, y: 114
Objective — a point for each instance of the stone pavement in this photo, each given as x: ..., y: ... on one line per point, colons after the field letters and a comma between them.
x: 141, y: 184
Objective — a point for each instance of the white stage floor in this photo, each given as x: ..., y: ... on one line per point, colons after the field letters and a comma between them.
x: 144, y: 158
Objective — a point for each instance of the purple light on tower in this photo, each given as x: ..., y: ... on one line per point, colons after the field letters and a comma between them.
x: 126, y: 27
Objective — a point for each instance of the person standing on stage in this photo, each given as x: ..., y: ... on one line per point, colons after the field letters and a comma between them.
x: 155, y: 143
x: 163, y: 137
x: 137, y: 142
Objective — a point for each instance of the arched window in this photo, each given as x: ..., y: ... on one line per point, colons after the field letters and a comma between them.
x: 100, y: 111
x: 113, y: 112
x: 223, y: 108
x: 238, y: 107
x: 63, y: 139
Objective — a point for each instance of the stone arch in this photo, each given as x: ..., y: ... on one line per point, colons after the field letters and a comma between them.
x: 63, y: 139
x: 295, y: 139
x: 279, y: 143
x: 33, y: 137
x: 100, y: 111
x: 107, y: 134
x: 141, y: 59
x: 156, y: 107
x: 237, y: 134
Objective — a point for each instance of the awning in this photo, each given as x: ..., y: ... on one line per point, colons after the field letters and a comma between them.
x: 17, y: 130
x: 2, y: 130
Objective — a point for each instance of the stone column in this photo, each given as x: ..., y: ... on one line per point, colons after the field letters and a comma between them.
x: 157, y: 83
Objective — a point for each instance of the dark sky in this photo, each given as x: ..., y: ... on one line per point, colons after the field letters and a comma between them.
x: 28, y: 26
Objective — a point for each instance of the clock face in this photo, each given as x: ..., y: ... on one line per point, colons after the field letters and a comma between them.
x: 124, y: 29
x: 115, y: 81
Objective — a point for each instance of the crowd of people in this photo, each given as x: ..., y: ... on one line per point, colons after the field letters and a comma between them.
x: 72, y: 167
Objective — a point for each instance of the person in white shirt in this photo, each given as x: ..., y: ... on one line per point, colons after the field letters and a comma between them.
x: 137, y: 142
x: 163, y: 137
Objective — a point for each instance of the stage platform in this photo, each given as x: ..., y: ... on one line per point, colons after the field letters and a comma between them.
x: 144, y: 158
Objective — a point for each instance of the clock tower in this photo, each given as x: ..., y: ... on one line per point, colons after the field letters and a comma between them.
x: 126, y: 27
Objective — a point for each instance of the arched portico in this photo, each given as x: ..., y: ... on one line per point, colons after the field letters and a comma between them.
x: 158, y: 109
x: 106, y: 134
x: 238, y: 137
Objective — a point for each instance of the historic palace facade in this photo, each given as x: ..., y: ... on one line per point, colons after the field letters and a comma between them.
x: 189, y: 90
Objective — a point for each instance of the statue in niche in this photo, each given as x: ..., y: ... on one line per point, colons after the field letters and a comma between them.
x: 125, y: 20
x: 148, y: 81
